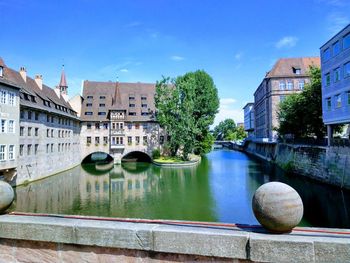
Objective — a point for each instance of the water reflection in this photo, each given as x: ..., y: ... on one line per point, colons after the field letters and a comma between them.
x: 220, y: 188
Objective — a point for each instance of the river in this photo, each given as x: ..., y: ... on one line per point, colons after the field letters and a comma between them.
x: 219, y: 189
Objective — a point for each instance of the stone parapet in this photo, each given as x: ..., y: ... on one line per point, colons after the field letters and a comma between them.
x: 58, y: 239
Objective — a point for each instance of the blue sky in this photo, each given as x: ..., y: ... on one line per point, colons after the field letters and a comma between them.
x: 236, y: 42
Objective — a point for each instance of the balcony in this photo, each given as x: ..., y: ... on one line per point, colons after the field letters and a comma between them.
x: 117, y: 146
x: 117, y: 131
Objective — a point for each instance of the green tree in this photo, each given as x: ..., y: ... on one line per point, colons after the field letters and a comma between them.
x: 186, y: 107
x: 206, y: 105
x: 224, y: 129
x: 301, y: 114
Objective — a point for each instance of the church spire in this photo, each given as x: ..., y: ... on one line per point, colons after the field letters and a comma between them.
x: 63, y: 82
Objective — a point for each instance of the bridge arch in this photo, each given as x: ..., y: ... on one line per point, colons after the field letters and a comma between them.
x: 136, y: 156
x: 96, y: 157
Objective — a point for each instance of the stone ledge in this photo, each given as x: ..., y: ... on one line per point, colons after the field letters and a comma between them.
x: 302, y: 245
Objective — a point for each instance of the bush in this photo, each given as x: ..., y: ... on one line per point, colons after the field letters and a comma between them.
x: 155, y: 153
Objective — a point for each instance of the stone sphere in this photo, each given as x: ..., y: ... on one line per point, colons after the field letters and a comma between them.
x: 277, y: 207
x: 6, y: 196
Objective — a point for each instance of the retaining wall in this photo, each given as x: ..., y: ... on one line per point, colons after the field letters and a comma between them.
x: 329, y: 165
x: 50, y: 239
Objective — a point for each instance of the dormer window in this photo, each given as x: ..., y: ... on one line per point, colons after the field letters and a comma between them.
x: 297, y: 71
x: 1, y: 71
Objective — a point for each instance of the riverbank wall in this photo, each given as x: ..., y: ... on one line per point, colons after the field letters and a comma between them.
x: 35, y: 238
x: 329, y: 165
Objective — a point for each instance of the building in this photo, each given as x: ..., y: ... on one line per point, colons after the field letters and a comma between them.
x: 288, y: 76
x: 335, y: 66
x: 118, y: 118
x: 9, y: 124
x: 249, y: 119
x: 48, y: 131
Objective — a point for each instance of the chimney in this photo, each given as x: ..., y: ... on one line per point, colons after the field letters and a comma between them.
x: 39, y: 81
x: 23, y: 73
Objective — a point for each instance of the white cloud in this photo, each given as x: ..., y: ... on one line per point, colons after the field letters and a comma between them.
x: 226, y: 111
x: 124, y: 70
x: 286, y: 42
x: 337, y: 21
x: 238, y: 55
x: 225, y: 102
x: 177, y: 58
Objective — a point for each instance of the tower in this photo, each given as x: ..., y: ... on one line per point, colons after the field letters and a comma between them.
x: 63, y: 83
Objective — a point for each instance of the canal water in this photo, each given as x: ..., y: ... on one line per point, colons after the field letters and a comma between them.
x: 219, y: 189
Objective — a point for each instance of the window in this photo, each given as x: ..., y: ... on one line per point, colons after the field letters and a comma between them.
x: 129, y: 126
x: 47, y: 118
x: 102, y: 105
x: 105, y: 140
x: 88, y: 104
x: 105, y: 125
x: 289, y: 85
x: 129, y: 140
x: 301, y: 84
x: 52, y: 147
x: 88, y: 140
x: 11, y: 154
x: 88, y: 113
x: 59, y: 133
x: 47, y: 148
x: 29, y: 131
x: 52, y: 119
x: 11, y: 126
x: 48, y: 133
x: 21, y: 147
x: 131, y: 97
x: 336, y: 74
x: 52, y: 133
x: 90, y: 97
x: 36, y: 146
x: 347, y: 70
x: 21, y: 131
x: 36, y: 116
x: 97, y: 140
x: 137, y: 126
x: 137, y: 140
x: 3, y: 96
x: 88, y: 126
x: 59, y: 147
x: 326, y: 54
x: 97, y: 125
x: 12, y: 99
x: 336, y: 48
x: 132, y: 113
x: 144, y: 140
x: 282, y: 85
x: 22, y: 114
x: 101, y: 113
x: 29, y: 149
x: 132, y: 105
x: 143, y: 98
x: 328, y: 79
x: 161, y: 139
x: 29, y: 115
x: 338, y: 100
x: 145, y: 126
x: 3, y: 126
x: 297, y: 71
x: 36, y: 131
x: 144, y: 113
x: 2, y: 152
x: 102, y: 97
x: 346, y: 41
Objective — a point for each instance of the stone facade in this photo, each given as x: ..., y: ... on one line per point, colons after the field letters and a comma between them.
x: 9, y: 126
x: 249, y: 119
x: 46, y: 129
x: 288, y: 76
x: 335, y: 59
x: 118, y: 119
